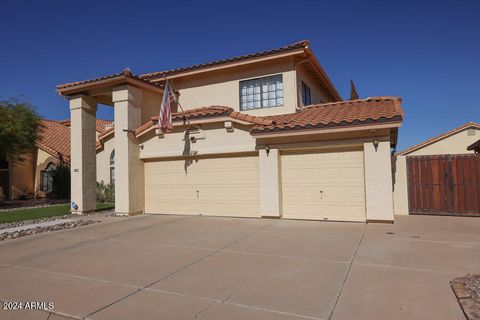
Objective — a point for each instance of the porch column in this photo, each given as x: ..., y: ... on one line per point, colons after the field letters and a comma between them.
x: 83, y: 153
x: 269, y: 183
x: 129, y: 180
x: 378, y: 181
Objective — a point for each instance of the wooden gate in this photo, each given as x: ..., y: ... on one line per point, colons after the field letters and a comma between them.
x: 444, y: 185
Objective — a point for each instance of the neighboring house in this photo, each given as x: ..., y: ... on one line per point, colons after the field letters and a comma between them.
x: 32, y: 176
x: 261, y: 135
x: 439, y: 175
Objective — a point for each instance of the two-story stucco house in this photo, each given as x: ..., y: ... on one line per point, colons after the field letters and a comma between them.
x: 261, y: 135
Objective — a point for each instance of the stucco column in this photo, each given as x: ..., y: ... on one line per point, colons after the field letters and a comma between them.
x: 269, y: 183
x: 83, y: 153
x: 129, y: 179
x: 378, y: 181
x: 400, y: 189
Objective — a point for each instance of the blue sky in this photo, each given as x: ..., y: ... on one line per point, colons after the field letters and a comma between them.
x: 427, y: 52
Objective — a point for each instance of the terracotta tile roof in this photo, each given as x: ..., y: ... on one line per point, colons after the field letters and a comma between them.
x: 100, y: 126
x: 124, y: 74
x: 203, y: 112
x: 155, y: 75
x: 336, y: 114
x: 439, y: 137
x: 55, y: 139
x: 106, y: 133
x: 206, y: 113
x: 287, y: 48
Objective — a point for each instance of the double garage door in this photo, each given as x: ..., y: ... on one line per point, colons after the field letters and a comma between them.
x: 314, y: 185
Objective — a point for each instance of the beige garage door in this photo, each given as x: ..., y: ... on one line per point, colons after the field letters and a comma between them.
x: 226, y: 186
x: 323, y: 185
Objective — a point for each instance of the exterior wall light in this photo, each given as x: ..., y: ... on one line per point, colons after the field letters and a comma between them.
x: 376, y: 142
x: 267, y: 150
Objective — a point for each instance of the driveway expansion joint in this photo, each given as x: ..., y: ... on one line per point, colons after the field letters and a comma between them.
x: 337, y: 298
x: 181, y: 269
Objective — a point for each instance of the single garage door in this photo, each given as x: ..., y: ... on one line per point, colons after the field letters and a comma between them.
x: 227, y: 186
x: 323, y: 185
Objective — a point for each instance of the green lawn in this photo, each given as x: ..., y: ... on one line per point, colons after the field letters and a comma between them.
x: 37, y: 213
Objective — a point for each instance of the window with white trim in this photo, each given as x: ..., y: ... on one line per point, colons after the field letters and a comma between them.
x: 260, y: 93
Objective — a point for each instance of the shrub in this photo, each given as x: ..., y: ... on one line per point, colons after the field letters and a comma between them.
x: 105, y: 192
x: 60, y: 182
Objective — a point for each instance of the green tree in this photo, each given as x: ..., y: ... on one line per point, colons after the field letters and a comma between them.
x: 353, y: 91
x: 19, y: 128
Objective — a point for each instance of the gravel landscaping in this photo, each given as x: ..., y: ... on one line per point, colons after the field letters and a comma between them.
x: 467, y: 291
x: 68, y: 224
x: 30, y: 231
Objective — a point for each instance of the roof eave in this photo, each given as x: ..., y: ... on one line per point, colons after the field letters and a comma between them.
x: 316, y: 64
x: 345, y: 128
x: 186, y: 73
x: 80, y: 88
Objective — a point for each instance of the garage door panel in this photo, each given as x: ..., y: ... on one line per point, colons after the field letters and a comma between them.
x: 226, y: 186
x: 324, y: 185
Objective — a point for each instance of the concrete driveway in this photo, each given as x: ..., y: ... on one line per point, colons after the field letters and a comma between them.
x: 179, y: 267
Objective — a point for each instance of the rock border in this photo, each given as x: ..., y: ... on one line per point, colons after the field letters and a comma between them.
x: 467, y: 291
x: 31, y: 231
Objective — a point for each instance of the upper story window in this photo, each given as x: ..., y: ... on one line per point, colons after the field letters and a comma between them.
x: 306, y: 95
x: 260, y: 93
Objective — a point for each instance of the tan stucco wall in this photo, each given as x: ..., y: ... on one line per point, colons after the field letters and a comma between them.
x: 270, y: 184
x: 83, y: 152
x: 212, y: 139
x: 455, y: 144
x: 150, y: 105
x: 21, y: 177
x: 222, y: 87
x: 103, y: 160
x: 129, y: 169
x: 317, y: 93
x: 378, y: 181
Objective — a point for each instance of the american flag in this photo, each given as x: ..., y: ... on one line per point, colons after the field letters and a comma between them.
x: 168, y: 102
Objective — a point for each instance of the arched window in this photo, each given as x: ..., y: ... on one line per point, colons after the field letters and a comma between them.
x: 46, y: 178
x: 112, y: 167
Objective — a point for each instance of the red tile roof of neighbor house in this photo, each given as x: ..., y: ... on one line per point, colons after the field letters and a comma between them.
x: 100, y: 126
x: 439, y: 137
x: 55, y: 137
x: 160, y: 74
x: 336, y: 114
x: 327, y: 115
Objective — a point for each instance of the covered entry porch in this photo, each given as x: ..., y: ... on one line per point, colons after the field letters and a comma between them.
x: 133, y: 100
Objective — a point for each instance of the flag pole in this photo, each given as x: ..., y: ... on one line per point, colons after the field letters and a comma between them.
x: 178, y: 102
